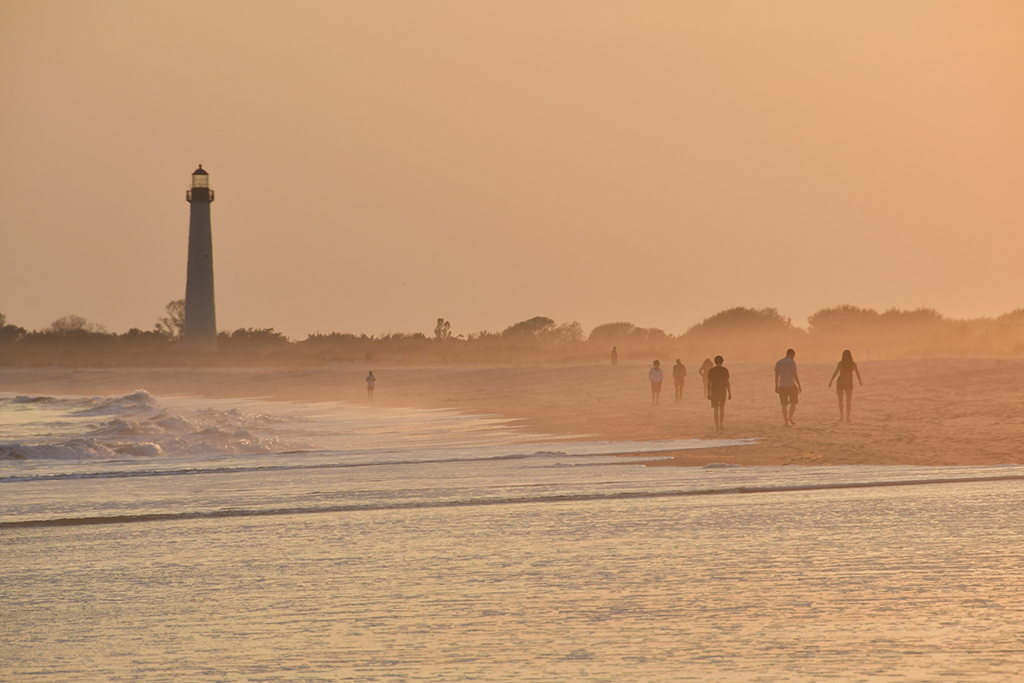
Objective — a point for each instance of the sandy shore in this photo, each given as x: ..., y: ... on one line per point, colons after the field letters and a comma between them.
x: 919, y: 412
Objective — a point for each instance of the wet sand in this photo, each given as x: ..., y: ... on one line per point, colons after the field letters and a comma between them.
x: 917, y: 412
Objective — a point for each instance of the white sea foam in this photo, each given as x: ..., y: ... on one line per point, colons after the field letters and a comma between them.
x: 133, y: 425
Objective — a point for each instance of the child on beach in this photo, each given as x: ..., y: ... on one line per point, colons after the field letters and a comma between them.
x: 370, y: 381
x: 846, y: 368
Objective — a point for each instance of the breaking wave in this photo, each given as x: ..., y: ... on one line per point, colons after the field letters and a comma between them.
x: 132, y: 425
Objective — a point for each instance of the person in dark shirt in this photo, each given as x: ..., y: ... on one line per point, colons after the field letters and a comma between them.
x: 718, y: 389
x: 787, y: 386
x: 679, y: 376
x: 615, y: 355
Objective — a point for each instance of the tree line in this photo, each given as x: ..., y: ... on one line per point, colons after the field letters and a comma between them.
x: 739, y: 334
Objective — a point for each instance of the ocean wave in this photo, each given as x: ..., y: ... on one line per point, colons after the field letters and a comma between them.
x: 136, y: 401
x: 132, y: 425
x: 127, y: 427
x: 30, y: 400
x: 239, y: 442
x: 77, y: 449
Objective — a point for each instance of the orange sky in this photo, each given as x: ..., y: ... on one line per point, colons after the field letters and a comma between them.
x: 378, y: 165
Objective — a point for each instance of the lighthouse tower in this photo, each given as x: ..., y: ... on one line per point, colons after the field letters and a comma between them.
x: 200, y: 316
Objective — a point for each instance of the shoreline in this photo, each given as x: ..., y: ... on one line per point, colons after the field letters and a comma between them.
x: 921, y: 412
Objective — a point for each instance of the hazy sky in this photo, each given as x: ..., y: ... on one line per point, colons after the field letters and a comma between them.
x: 378, y: 165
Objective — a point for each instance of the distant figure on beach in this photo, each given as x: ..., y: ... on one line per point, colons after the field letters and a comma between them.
x: 718, y: 385
x: 615, y: 355
x: 370, y: 381
x: 679, y: 375
x: 703, y: 372
x: 846, y: 369
x: 787, y: 386
x: 656, y: 376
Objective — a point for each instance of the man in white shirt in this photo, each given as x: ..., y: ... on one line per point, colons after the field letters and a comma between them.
x: 656, y: 375
x: 787, y: 386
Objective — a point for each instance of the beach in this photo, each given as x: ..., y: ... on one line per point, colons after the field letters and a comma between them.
x: 908, y: 412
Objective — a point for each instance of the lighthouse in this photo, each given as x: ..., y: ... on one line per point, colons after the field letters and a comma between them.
x: 200, y: 315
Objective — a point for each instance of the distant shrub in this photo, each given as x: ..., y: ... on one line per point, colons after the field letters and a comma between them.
x: 918, y: 316
x: 840, y: 318
x: 443, y: 329
x: 612, y: 332
x: 743, y: 320
x: 534, y: 327
x: 252, y: 336
x: 332, y: 338
x: 70, y: 324
x: 1013, y: 317
x: 173, y: 324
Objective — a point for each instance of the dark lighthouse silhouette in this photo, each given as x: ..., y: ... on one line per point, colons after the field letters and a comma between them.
x: 200, y: 314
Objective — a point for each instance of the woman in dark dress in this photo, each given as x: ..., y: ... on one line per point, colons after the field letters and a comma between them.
x: 846, y: 369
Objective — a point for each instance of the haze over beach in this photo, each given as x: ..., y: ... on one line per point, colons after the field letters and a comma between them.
x: 420, y: 412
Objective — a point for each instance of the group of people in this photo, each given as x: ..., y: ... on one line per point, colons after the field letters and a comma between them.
x: 718, y: 389
x: 657, y: 376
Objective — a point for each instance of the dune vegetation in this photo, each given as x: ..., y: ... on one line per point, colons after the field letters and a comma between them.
x: 740, y: 334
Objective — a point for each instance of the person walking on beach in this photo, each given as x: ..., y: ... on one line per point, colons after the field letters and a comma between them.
x: 846, y: 369
x: 679, y: 376
x: 718, y: 388
x: 370, y: 381
x: 703, y: 372
x: 787, y: 386
x: 615, y: 355
x: 656, y: 376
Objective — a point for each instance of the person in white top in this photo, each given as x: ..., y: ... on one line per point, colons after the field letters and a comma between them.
x: 370, y: 381
x: 656, y: 376
x: 787, y: 386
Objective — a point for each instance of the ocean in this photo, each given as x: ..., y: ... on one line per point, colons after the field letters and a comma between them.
x: 163, y: 538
